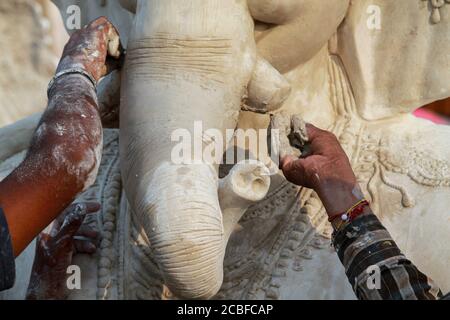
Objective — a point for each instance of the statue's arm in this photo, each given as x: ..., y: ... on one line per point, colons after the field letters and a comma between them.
x: 65, y: 151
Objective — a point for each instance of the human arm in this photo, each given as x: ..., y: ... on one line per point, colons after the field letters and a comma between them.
x: 362, y: 244
x: 65, y: 151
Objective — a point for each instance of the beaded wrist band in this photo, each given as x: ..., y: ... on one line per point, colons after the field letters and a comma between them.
x: 341, y: 220
x: 71, y: 71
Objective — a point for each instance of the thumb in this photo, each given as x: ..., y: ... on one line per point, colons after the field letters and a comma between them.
x: 73, y: 220
x: 287, y: 161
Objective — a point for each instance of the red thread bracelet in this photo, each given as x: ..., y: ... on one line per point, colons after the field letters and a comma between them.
x: 351, y: 214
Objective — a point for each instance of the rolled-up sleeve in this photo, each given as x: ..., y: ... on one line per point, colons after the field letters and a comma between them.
x: 7, y: 265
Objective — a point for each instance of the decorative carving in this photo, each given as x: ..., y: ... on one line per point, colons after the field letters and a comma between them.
x: 111, y: 200
x: 302, y: 229
x: 436, y: 6
x: 280, y: 243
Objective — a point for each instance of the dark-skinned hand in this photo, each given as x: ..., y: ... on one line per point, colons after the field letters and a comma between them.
x: 54, y: 252
x: 326, y: 169
x: 91, y: 47
x: 97, y: 50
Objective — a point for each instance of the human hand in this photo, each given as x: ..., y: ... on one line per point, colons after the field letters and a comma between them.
x: 326, y: 169
x: 89, y: 48
x: 54, y: 252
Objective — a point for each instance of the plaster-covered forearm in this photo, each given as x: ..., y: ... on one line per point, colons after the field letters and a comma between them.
x: 70, y: 131
x: 65, y: 150
x: 62, y: 161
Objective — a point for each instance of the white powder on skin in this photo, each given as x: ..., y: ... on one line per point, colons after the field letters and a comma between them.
x: 57, y: 157
x: 59, y: 129
x: 93, y: 174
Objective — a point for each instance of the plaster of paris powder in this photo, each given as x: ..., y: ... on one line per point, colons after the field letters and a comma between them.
x: 70, y: 131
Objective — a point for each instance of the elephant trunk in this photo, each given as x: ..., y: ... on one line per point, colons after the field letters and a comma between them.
x: 174, y: 77
x: 182, y: 212
x: 177, y: 204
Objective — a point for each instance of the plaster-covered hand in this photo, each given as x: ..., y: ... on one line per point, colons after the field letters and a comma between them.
x: 326, y: 169
x: 54, y: 252
x: 88, y: 48
x: 65, y: 151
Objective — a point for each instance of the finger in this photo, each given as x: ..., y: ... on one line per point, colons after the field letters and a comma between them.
x: 43, y: 240
x: 83, y: 246
x: 56, y: 225
x: 287, y: 160
x: 59, y: 222
x: 74, y: 218
x: 92, y: 207
x: 44, y: 245
x: 294, y: 171
x: 87, y: 232
x: 111, y: 35
x: 313, y: 132
x: 43, y: 237
x: 87, y: 207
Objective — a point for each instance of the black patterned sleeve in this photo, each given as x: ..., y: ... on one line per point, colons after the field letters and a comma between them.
x: 376, y: 268
x: 7, y: 266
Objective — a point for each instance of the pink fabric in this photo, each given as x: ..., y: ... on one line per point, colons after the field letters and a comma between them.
x: 432, y: 116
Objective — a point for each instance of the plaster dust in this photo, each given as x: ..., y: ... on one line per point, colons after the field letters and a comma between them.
x: 57, y: 157
x: 293, y: 136
x: 70, y: 127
